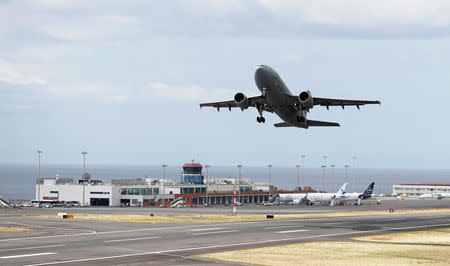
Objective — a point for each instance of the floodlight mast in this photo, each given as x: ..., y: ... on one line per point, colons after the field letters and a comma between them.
x: 207, y: 166
x: 239, y: 166
x: 84, y: 175
x: 164, y: 166
x: 39, y: 152
x: 303, y: 170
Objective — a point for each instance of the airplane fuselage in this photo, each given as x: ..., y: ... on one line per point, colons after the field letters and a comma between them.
x: 314, y: 197
x: 278, y: 96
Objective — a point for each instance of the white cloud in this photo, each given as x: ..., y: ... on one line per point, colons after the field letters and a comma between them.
x: 17, y: 75
x: 156, y: 91
x: 91, y: 27
x: 365, y: 13
x: 91, y: 92
x: 188, y: 93
x: 44, y: 53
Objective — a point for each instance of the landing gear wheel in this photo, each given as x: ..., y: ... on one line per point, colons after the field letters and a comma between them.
x: 263, y: 120
x: 258, y: 119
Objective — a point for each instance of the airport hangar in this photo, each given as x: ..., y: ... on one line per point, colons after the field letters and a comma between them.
x: 155, y: 191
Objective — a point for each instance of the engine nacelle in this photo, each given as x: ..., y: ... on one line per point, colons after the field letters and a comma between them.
x: 306, y: 99
x: 241, y: 100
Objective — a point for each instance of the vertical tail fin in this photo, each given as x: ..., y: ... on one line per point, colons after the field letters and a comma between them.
x: 341, y: 191
x: 368, y: 192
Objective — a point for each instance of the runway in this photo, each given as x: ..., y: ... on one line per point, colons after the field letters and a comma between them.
x: 75, y: 242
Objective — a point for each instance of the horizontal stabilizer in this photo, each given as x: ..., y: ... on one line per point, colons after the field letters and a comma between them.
x: 283, y: 124
x: 314, y: 123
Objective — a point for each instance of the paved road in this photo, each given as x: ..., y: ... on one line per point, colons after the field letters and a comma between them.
x: 75, y: 242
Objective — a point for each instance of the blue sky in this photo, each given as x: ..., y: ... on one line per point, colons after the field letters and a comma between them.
x: 123, y: 79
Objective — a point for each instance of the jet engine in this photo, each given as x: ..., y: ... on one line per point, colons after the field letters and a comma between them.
x: 306, y: 99
x: 241, y: 100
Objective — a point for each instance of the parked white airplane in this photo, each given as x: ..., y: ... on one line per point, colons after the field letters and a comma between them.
x: 426, y: 196
x: 442, y: 195
x: 357, y: 197
x: 310, y: 198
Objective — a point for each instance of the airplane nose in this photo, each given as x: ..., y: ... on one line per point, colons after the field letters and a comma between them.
x: 259, y: 67
x: 259, y: 70
x: 260, y: 75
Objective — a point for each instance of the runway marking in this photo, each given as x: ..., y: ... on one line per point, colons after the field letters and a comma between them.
x: 28, y: 255
x: 61, y: 245
x: 228, y: 245
x: 216, y: 232
x: 292, y: 231
x: 131, y: 239
x: 336, y: 222
x: 387, y: 220
x: 198, y: 225
x: 206, y: 229
x: 279, y: 227
x: 39, y: 237
x: 126, y: 231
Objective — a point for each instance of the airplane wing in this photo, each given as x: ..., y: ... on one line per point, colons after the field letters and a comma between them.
x: 340, y: 102
x: 253, y: 101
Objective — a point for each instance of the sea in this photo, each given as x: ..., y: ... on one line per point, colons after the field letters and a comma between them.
x: 17, y: 182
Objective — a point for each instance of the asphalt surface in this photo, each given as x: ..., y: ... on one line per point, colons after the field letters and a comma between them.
x: 74, y: 242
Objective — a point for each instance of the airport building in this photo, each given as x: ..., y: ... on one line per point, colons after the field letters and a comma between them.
x: 191, y: 189
x: 416, y: 190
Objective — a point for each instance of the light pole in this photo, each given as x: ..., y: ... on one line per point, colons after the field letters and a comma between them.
x: 298, y: 177
x: 164, y: 184
x: 207, y: 181
x: 303, y: 170
x: 84, y: 174
x: 324, y: 171
x: 239, y: 182
x: 353, y: 174
x: 39, y: 177
x: 323, y: 178
x: 270, y: 179
x: 346, y: 173
x: 332, y: 177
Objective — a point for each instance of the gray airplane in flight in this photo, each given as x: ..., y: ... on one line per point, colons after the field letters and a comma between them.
x: 276, y: 98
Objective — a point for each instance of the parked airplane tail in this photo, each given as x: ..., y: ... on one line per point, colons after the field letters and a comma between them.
x: 341, y: 191
x: 314, y: 123
x: 368, y: 192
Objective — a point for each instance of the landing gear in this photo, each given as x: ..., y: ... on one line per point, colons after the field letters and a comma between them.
x: 260, y: 118
x: 301, y: 119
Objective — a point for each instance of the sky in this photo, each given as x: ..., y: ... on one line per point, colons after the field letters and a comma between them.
x: 122, y: 80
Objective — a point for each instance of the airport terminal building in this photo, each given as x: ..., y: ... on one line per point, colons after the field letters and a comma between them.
x: 192, y: 188
x: 417, y: 190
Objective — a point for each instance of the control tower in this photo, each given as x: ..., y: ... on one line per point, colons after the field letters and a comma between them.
x: 192, y: 174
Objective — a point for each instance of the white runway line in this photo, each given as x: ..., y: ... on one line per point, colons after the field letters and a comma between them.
x: 394, y: 219
x: 206, y: 229
x: 292, y: 231
x: 279, y: 227
x: 336, y: 223
x: 37, y: 247
x: 131, y: 239
x: 28, y: 255
x: 239, y: 244
x: 216, y: 232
